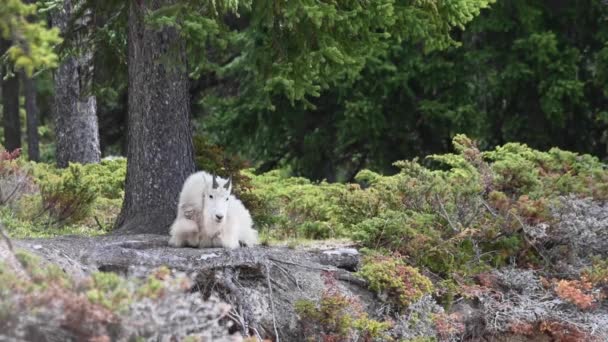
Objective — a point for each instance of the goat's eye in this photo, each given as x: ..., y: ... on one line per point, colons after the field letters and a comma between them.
x: 210, y: 196
x: 226, y: 199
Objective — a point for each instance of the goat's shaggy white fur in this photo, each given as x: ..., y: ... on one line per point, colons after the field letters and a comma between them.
x: 209, y: 216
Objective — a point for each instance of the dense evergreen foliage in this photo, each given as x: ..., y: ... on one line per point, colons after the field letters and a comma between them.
x: 32, y: 42
x: 330, y: 89
x: 530, y: 71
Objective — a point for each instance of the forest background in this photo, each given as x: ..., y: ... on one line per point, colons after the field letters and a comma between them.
x: 461, y: 144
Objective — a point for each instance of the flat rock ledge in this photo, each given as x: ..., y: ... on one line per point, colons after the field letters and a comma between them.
x: 262, y: 283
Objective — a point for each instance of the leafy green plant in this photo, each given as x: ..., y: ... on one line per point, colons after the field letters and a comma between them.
x: 107, y: 177
x: 110, y: 291
x: 337, y: 317
x: 80, y: 199
x: 296, y: 207
x: 396, y: 282
x: 69, y: 197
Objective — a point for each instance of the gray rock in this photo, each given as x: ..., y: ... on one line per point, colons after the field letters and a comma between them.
x: 262, y: 284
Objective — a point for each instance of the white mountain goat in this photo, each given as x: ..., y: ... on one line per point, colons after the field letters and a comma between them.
x: 209, y: 216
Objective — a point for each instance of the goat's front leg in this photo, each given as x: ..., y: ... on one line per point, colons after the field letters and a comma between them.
x: 191, y: 212
x: 184, y: 232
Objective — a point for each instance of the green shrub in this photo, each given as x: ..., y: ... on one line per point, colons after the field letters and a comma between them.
x: 68, y: 197
x: 110, y: 291
x: 23, y: 227
x: 43, y: 275
x: 105, y: 178
x: 521, y: 170
x: 356, y: 204
x: 295, y: 207
x: 398, y: 231
x: 514, y: 169
x: 80, y: 199
x: 337, y: 317
x: 396, y: 282
x: 471, y: 211
x: 597, y: 274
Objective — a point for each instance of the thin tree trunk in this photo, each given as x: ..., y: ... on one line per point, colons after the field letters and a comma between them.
x: 159, y: 145
x: 31, y: 111
x: 10, y: 105
x: 76, y: 124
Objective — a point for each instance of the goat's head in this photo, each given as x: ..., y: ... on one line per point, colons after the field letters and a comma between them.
x: 217, y: 199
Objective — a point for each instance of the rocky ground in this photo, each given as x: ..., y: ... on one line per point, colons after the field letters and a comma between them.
x: 262, y: 284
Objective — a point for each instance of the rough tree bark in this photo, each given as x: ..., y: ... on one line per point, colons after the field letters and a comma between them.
x: 76, y: 124
x: 31, y: 112
x: 159, y: 140
x: 10, y: 105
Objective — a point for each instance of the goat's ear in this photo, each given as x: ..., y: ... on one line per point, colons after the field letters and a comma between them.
x: 214, y: 184
x: 227, y: 185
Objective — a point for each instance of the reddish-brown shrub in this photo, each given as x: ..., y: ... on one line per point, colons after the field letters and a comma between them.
x: 14, y: 181
x: 576, y: 292
x: 522, y: 328
x: 564, y: 332
x: 448, y: 326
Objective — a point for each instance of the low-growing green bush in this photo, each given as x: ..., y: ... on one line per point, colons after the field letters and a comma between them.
x: 109, y: 290
x: 295, y: 207
x: 394, y: 281
x: 337, y: 317
x: 68, y: 197
x: 80, y: 199
x: 105, y: 178
x: 477, y: 210
x: 521, y: 170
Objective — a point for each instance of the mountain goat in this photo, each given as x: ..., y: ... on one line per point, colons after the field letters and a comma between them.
x: 209, y: 216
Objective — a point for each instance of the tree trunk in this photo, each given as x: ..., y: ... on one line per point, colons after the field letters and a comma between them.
x: 76, y: 125
x: 31, y: 111
x: 10, y: 105
x: 159, y: 141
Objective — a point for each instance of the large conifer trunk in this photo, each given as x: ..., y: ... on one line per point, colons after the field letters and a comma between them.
x: 159, y: 145
x: 76, y: 126
x: 10, y: 104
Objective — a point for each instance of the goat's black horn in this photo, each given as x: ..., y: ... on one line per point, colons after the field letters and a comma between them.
x: 215, y: 184
x: 227, y: 185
